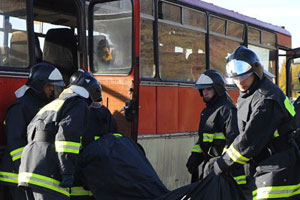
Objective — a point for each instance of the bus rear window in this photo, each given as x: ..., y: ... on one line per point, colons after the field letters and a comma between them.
x: 13, y: 34
x: 112, y: 37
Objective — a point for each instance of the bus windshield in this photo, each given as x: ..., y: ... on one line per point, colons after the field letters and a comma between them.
x: 112, y: 37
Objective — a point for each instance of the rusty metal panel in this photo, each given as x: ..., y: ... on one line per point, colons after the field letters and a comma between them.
x: 168, y: 156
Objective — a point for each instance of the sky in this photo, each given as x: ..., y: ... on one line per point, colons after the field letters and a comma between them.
x: 277, y: 12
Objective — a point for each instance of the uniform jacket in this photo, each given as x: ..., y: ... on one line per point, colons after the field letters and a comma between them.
x: 17, y: 118
x: 265, y: 117
x: 53, y: 144
x: 217, y: 127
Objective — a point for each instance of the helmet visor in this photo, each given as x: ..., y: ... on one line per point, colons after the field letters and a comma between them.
x: 236, y: 68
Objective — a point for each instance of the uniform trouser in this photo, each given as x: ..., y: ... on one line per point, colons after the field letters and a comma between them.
x: 16, y: 193
x: 47, y: 196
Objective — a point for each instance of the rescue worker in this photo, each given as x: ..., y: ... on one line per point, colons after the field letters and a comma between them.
x: 48, y: 160
x: 100, y: 122
x: 217, y: 127
x: 36, y: 93
x: 265, y: 119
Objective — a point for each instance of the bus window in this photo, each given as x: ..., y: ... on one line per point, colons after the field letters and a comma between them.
x: 13, y: 34
x: 268, y: 39
x: 217, y: 25
x: 112, y: 37
x: 267, y: 59
x: 235, y: 30
x: 147, y: 67
x: 169, y: 12
x: 194, y: 18
x: 147, y: 7
x: 294, y: 71
x: 176, y: 45
x: 254, y: 35
x: 220, y: 48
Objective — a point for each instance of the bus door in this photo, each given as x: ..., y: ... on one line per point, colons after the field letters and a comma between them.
x: 113, y: 29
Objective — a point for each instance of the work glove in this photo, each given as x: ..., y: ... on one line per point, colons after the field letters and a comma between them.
x: 194, y: 161
x: 67, y: 181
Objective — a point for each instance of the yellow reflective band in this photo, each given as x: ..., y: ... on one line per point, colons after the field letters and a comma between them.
x: 236, y: 156
x: 208, y: 137
x: 8, y: 177
x: 80, y: 191
x: 4, y: 122
x: 240, y: 179
x: 289, y: 106
x: 118, y: 134
x: 67, y: 147
x: 276, y: 134
x: 219, y: 136
x: 96, y: 137
x: 42, y: 181
x: 197, y: 149
x: 53, y: 106
x: 16, y: 154
x: 276, y: 192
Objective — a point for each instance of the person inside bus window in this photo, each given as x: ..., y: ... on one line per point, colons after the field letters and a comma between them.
x: 103, y: 54
x: 49, y: 159
x: 218, y: 124
x: 265, y: 142
x: 36, y: 93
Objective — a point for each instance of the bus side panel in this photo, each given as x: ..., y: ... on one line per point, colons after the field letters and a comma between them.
x: 115, y: 92
x: 234, y: 94
x: 147, y: 110
x: 190, y: 105
x: 284, y: 40
x: 167, y: 109
x: 8, y: 86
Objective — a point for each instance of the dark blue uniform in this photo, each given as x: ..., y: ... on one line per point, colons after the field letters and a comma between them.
x: 17, y: 118
x: 265, y: 117
x: 53, y: 145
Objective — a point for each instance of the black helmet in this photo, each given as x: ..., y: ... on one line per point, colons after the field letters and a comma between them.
x: 42, y: 74
x: 86, y: 80
x: 211, y: 78
x: 243, y: 61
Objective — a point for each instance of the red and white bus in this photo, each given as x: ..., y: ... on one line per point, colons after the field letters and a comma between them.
x: 147, y: 55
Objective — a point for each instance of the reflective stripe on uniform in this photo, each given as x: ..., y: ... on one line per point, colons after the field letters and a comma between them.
x: 276, y: 133
x: 42, y: 181
x: 80, y: 191
x: 96, y: 137
x: 236, y: 156
x: 276, y: 192
x: 209, y: 137
x: 67, y: 147
x: 289, y: 106
x: 197, y: 148
x: 53, y: 106
x: 118, y: 134
x: 240, y: 179
x: 16, y: 154
x: 9, y: 177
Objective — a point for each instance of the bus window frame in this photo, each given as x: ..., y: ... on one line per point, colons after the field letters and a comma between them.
x: 91, y: 38
x: 24, y: 71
